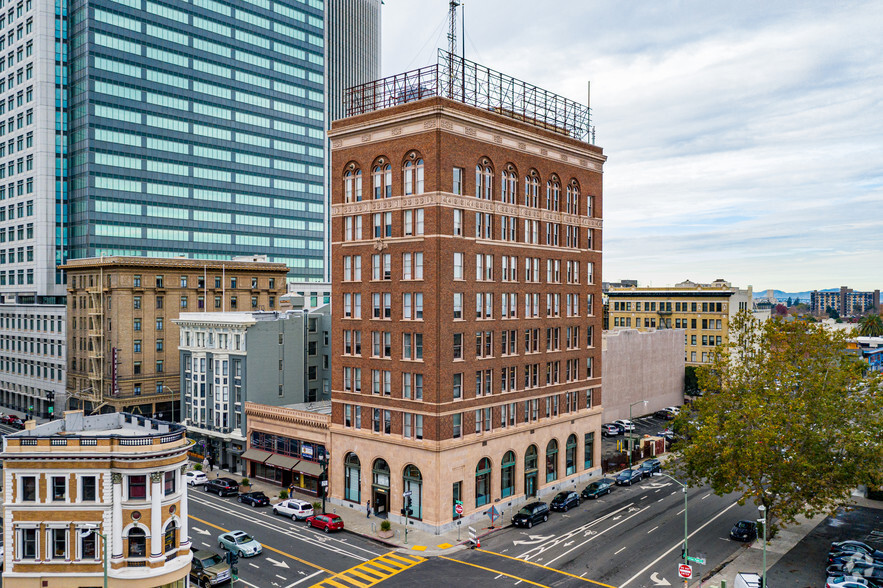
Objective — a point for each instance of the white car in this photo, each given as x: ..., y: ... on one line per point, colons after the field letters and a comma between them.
x: 674, y: 409
x: 846, y: 582
x: 298, y: 510
x: 626, y: 424
x: 195, y: 478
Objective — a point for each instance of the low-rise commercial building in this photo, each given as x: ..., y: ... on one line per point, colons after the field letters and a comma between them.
x: 89, y: 496
x: 229, y: 358
x: 703, y: 311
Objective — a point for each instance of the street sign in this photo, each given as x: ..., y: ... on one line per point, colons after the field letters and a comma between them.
x: 685, y: 571
x: 324, y: 483
x: 408, y: 493
x: 699, y: 560
x: 458, y: 509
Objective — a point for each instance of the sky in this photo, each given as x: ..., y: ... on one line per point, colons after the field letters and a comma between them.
x: 744, y: 139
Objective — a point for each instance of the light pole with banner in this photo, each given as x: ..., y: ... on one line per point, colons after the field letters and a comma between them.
x: 324, y: 458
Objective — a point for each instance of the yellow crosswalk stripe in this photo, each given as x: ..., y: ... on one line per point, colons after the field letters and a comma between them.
x: 371, y: 572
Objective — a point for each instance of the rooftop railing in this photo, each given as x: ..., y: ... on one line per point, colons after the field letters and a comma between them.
x: 462, y: 80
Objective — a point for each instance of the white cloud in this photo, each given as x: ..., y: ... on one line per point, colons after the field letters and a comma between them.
x: 744, y: 139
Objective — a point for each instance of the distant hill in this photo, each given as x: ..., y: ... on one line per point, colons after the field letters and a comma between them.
x: 794, y: 296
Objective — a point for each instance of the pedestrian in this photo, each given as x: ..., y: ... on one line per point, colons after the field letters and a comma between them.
x: 205, y: 465
x: 368, y: 508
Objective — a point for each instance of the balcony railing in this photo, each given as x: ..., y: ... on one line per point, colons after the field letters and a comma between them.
x: 459, y: 79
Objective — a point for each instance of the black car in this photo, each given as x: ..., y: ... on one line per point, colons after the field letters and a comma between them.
x: 222, y: 486
x: 17, y: 424
x: 744, y: 531
x: 531, y: 514
x: 665, y: 415
x: 629, y: 477
x: 650, y: 467
x: 596, y: 489
x: 564, y: 501
x: 254, y: 499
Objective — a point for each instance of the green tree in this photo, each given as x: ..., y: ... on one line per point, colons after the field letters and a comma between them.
x: 788, y: 302
x: 871, y: 326
x: 832, y: 313
x: 787, y: 419
x: 691, y: 382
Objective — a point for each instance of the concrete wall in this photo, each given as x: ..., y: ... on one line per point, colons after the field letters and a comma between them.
x: 641, y: 365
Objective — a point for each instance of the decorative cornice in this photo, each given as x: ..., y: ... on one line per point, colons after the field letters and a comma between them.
x: 466, y: 203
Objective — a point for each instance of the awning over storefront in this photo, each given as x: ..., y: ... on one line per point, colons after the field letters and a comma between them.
x: 281, y: 461
x: 309, y: 468
x: 256, y: 455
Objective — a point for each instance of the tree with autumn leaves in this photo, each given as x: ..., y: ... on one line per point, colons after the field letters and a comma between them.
x: 789, y: 419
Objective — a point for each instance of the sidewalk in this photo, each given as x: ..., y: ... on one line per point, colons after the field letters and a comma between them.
x: 750, y: 558
x: 355, y: 521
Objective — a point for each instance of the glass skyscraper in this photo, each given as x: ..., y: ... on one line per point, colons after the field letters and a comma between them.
x: 197, y: 129
x: 151, y: 128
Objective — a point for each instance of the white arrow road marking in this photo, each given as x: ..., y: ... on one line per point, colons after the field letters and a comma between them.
x: 677, y: 545
x: 659, y: 581
x: 568, y: 543
x: 598, y: 535
x: 534, y: 540
x: 278, y: 564
x: 533, y: 552
x: 201, y: 531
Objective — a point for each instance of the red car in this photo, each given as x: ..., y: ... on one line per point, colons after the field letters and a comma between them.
x: 328, y: 522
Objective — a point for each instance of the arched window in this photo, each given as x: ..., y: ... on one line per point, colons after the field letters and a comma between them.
x: 348, y: 186
x: 570, y: 456
x: 507, y: 475
x: 413, y: 173
x: 552, y: 461
x: 352, y: 184
x: 484, y: 181
x: 137, y: 542
x: 358, y: 185
x: 380, y: 473
x: 509, y: 185
x: 352, y: 474
x: 553, y: 194
x: 170, y: 538
x: 483, y: 482
x: 531, y: 190
x: 530, y: 471
x: 382, y: 179
x: 413, y: 483
x: 573, y: 198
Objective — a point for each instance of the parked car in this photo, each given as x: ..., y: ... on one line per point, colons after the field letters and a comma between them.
x: 326, y: 522
x: 856, y: 546
x: 629, y: 477
x: 842, y: 556
x: 674, y: 409
x: 254, y: 498
x: 7, y: 418
x: 239, y: 542
x: 531, y: 514
x: 298, y: 510
x: 650, y: 467
x: 667, y: 434
x: 207, y: 568
x: 851, y: 582
x: 624, y: 425
x: 17, y: 424
x: 195, y: 478
x: 609, y: 430
x: 598, y: 488
x: 744, y: 531
x: 866, y: 570
x: 665, y: 415
x: 564, y: 501
x: 222, y: 486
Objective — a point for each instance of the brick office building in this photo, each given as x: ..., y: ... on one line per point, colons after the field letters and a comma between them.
x: 466, y: 262
x: 123, y: 308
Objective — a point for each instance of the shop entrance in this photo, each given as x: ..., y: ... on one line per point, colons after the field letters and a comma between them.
x: 380, y: 504
x: 380, y: 488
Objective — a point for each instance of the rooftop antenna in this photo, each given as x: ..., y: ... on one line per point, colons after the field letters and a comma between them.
x: 452, y: 43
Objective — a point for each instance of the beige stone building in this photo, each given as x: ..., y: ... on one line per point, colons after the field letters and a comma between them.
x: 466, y: 262
x: 122, y: 343
x: 78, y: 488
x: 704, y: 311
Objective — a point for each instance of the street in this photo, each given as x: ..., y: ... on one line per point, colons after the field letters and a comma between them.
x: 294, y: 554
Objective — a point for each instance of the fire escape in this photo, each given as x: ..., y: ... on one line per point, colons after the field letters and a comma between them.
x: 95, y: 391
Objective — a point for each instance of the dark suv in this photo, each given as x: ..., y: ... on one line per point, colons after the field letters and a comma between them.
x: 530, y: 514
x: 564, y: 501
x: 222, y: 487
x: 207, y: 569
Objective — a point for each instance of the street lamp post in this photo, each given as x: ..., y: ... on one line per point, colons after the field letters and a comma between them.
x: 85, y: 533
x: 763, y: 513
x: 631, y: 431
x: 684, y: 489
x: 323, y: 483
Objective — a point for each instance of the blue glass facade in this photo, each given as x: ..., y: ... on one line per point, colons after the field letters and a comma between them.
x: 196, y: 128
